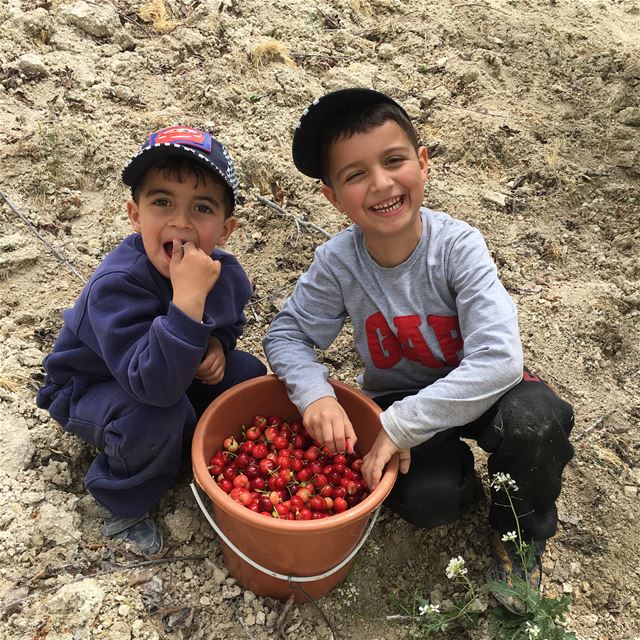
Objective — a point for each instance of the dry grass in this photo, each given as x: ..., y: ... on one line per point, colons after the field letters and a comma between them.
x: 270, y: 50
x: 156, y: 12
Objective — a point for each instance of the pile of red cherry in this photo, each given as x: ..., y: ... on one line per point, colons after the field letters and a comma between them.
x: 276, y: 469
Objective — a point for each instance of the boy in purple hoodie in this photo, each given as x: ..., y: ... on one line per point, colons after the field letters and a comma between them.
x: 150, y: 341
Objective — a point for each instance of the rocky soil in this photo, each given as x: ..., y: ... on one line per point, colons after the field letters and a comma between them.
x: 531, y: 113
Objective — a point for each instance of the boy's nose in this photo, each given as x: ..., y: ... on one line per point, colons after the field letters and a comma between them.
x: 181, y: 218
x: 380, y: 179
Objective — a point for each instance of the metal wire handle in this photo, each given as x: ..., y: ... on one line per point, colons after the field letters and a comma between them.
x: 275, y: 574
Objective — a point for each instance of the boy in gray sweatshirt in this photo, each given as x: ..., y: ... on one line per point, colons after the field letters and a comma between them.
x: 436, y: 331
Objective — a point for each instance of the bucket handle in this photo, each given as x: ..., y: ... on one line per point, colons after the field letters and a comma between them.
x: 275, y: 574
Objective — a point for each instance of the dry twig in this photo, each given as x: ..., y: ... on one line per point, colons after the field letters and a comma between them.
x: 279, y: 210
x: 589, y: 429
x: 38, y: 235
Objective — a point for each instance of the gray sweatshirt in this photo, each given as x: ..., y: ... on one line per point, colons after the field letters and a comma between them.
x: 439, y: 325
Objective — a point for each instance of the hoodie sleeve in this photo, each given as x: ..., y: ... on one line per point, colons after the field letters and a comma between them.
x: 152, y: 352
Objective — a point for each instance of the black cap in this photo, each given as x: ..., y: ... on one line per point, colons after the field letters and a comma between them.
x: 307, y: 138
x: 183, y: 142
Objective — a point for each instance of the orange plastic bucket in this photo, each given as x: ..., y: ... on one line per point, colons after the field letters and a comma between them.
x: 300, y: 553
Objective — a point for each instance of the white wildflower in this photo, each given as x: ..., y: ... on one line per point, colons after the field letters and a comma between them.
x: 510, y: 536
x: 532, y: 630
x: 503, y: 481
x: 428, y: 608
x: 456, y: 567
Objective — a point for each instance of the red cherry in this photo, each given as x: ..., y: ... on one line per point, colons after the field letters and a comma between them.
x: 240, y: 481
x: 260, y: 451
x: 340, y: 505
x: 225, y: 485
x: 280, y: 442
x: 253, y: 433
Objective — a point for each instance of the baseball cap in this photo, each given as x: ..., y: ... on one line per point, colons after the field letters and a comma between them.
x: 307, y: 138
x: 183, y: 142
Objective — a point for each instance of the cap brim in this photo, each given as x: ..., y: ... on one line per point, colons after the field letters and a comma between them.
x: 307, y: 138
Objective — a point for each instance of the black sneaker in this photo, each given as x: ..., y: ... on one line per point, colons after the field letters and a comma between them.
x: 143, y: 532
x: 508, y: 563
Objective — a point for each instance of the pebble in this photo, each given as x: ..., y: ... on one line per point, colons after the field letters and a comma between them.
x: 124, y: 610
x: 188, y: 573
x: 629, y: 116
x: 261, y: 618
x: 567, y: 587
x: 386, y: 51
x: 205, y: 600
x: 31, y: 65
x: 95, y: 19
x: 219, y: 575
x: 630, y: 491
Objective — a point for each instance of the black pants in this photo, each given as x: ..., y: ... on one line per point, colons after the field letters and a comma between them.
x: 526, y: 434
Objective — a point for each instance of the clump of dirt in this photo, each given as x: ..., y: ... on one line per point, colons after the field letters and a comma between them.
x: 531, y: 114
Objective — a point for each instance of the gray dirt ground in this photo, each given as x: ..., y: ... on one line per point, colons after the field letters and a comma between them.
x: 531, y: 113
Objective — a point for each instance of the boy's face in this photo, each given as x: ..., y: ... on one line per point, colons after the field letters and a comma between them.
x: 190, y: 211
x: 378, y: 180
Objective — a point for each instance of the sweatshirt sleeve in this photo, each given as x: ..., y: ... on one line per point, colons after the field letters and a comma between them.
x: 153, y: 353
x: 492, y: 354
x: 312, y: 317
x: 224, y: 308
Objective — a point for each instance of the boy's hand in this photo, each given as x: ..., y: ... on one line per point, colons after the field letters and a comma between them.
x: 327, y: 422
x: 193, y: 274
x: 381, y: 452
x: 211, y: 369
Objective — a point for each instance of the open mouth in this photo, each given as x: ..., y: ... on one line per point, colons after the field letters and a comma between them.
x: 388, y: 206
x: 168, y: 248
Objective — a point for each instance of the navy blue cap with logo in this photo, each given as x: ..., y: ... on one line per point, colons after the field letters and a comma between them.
x: 183, y: 142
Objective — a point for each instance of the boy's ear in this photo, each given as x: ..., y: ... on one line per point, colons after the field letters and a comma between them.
x: 331, y: 196
x: 423, y: 159
x: 134, y: 215
x: 227, y: 229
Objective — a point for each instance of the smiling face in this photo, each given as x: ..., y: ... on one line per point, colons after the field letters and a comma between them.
x: 179, y: 205
x: 377, y: 179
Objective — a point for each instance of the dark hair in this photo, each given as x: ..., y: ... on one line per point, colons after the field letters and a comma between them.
x: 177, y: 167
x: 359, y: 120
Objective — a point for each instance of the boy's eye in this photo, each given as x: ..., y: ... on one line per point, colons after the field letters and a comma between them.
x: 352, y: 176
x: 203, y: 208
x: 395, y: 160
x: 161, y: 202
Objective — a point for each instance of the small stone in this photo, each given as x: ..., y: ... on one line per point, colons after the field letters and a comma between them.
x: 124, y: 610
x: 205, y: 600
x: 188, y: 573
x: 31, y: 65
x: 567, y: 587
x: 386, y: 51
x: 137, y: 626
x: 100, y: 20
x: 250, y: 620
x: 261, y: 618
x: 629, y: 117
x: 230, y: 592
x: 630, y: 491
x: 219, y: 575
x: 495, y: 198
